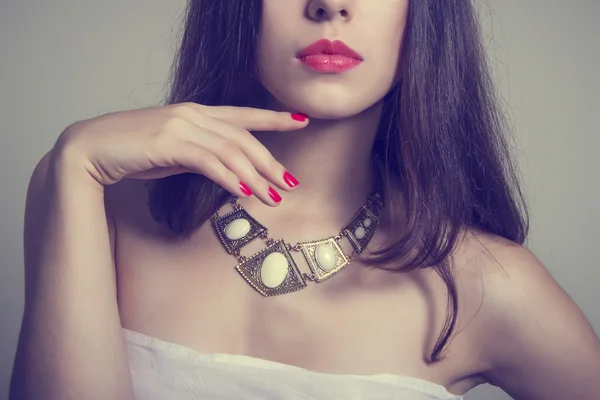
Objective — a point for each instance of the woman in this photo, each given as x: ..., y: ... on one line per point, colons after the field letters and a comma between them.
x: 387, y: 262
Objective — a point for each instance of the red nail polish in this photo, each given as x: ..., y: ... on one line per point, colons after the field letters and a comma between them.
x: 299, y: 117
x: 245, y: 189
x: 290, y: 180
x: 274, y: 195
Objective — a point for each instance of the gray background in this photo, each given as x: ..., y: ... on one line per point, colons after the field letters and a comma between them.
x: 67, y: 60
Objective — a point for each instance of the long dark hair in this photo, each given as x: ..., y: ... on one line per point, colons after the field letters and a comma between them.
x: 442, y: 132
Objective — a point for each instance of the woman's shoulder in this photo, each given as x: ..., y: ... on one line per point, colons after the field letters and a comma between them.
x: 505, y: 274
x: 495, y: 280
x: 524, y: 319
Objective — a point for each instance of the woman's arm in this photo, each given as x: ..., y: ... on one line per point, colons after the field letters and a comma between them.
x: 71, y: 345
x: 540, y: 344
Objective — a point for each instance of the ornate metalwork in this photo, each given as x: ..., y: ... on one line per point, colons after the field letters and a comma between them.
x: 359, y: 232
x: 309, y: 250
x: 251, y: 271
x: 234, y: 246
x: 350, y: 230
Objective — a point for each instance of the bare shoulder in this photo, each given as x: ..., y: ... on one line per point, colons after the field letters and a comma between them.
x: 536, y: 343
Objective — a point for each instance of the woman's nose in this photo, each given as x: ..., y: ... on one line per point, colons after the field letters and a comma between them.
x: 325, y: 10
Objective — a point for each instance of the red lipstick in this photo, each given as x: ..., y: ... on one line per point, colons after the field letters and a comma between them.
x: 329, y: 57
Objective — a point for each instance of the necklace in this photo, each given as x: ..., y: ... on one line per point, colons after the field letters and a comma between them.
x: 273, y: 270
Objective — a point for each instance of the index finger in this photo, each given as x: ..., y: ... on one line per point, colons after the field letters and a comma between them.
x: 254, y: 119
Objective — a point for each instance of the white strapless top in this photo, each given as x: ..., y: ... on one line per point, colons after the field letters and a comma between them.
x: 162, y: 370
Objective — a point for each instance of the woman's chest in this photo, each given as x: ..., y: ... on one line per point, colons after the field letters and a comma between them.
x: 193, y: 295
x: 361, y: 321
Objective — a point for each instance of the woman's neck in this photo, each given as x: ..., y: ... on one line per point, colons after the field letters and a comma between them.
x: 332, y: 160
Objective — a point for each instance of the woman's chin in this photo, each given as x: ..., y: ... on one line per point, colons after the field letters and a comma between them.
x: 327, y: 114
x: 327, y: 108
x: 326, y: 103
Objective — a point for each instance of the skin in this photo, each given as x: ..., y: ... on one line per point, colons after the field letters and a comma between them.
x: 331, y: 159
x: 187, y: 292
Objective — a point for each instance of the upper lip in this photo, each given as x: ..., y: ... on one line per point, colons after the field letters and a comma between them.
x: 325, y: 46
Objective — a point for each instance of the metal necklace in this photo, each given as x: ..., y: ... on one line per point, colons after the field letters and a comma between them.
x: 273, y: 270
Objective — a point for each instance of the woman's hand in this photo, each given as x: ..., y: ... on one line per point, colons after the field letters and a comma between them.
x: 161, y: 141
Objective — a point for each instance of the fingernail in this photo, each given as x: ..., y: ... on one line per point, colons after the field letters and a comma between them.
x: 299, y: 117
x: 274, y: 195
x: 245, y: 189
x: 290, y: 180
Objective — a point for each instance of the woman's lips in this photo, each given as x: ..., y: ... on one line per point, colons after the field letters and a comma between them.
x: 329, y: 57
x: 329, y: 63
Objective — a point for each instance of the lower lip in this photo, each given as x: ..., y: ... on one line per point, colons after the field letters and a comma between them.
x: 329, y: 63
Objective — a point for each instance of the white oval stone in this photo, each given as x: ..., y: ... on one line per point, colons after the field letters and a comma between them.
x: 274, y: 270
x: 367, y: 222
x: 237, y: 229
x: 326, y: 257
x: 360, y: 233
